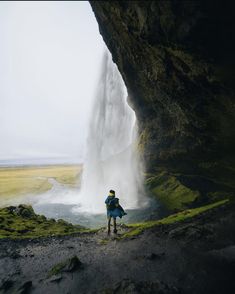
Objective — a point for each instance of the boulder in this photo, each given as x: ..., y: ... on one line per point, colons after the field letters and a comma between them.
x: 69, y: 265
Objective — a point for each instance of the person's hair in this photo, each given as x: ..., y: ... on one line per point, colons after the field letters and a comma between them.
x: 112, y: 191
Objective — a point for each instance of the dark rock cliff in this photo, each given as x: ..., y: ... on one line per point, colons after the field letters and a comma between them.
x: 176, y: 58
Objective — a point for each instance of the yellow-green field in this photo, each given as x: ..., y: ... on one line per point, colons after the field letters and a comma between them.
x: 20, y: 181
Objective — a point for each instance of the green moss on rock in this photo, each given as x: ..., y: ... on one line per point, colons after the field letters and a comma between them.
x: 138, y: 228
x: 69, y: 265
x: 143, y: 139
x: 170, y: 191
x: 22, y: 222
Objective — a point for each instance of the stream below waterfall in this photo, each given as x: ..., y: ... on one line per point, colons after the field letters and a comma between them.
x: 60, y: 202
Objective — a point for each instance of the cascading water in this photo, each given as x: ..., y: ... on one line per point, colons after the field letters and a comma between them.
x: 112, y: 159
x: 112, y: 162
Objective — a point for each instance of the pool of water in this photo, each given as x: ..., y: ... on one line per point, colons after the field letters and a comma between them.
x: 67, y: 212
x: 61, y: 202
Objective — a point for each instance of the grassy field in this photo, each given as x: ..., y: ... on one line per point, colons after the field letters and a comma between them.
x: 20, y: 181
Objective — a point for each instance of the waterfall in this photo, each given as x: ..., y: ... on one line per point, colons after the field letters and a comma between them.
x: 112, y: 160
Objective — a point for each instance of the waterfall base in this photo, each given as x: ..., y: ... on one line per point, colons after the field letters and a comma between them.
x: 66, y: 212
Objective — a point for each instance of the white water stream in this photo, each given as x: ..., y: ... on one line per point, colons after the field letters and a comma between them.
x: 112, y: 160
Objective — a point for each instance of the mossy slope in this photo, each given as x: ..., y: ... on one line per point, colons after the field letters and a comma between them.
x: 170, y: 191
x: 21, y: 222
x: 138, y: 228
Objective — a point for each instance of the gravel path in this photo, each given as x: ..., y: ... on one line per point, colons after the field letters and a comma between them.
x: 197, y: 256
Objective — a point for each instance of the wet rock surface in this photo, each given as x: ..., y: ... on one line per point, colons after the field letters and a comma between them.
x: 24, y: 288
x: 70, y: 265
x: 129, y: 287
x: 194, y: 257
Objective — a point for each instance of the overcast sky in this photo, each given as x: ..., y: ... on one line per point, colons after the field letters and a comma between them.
x: 50, y: 55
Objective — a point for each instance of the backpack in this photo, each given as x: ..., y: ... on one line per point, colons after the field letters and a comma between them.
x: 111, y: 204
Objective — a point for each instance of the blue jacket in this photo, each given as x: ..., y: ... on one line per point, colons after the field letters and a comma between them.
x: 114, y: 209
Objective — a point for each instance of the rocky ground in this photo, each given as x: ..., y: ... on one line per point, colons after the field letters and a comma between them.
x: 194, y: 256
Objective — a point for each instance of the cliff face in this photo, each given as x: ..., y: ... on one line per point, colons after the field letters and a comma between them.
x: 176, y: 58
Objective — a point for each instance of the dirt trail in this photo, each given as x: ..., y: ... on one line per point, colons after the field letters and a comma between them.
x: 197, y: 256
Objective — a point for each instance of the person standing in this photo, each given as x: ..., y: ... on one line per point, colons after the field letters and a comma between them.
x: 114, y: 210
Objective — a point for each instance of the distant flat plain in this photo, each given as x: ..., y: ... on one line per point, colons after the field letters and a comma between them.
x: 25, y: 180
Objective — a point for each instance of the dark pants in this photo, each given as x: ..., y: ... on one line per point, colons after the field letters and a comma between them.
x: 114, y: 224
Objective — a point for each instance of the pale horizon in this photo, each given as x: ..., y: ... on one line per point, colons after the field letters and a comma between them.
x: 50, y: 58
